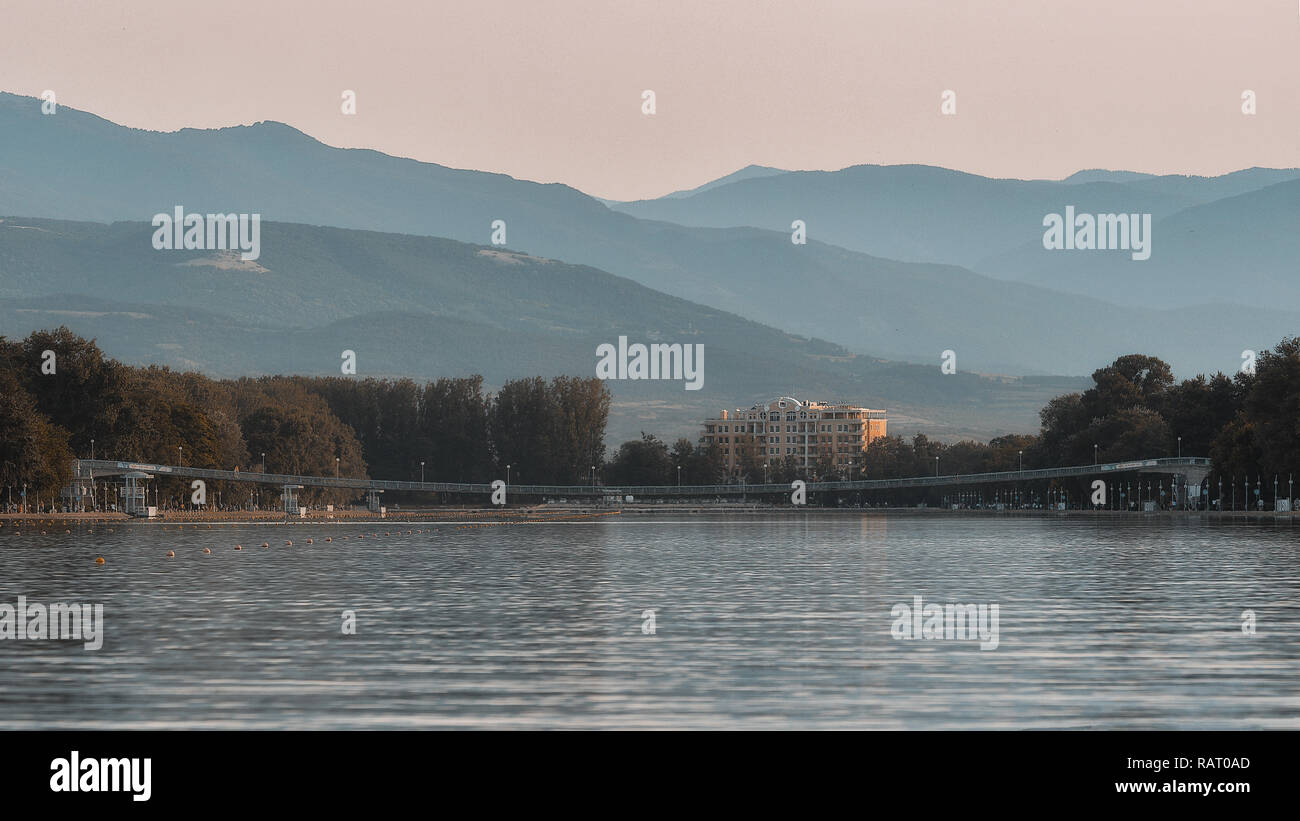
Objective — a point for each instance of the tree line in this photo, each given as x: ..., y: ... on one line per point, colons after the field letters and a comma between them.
x: 1247, y: 423
x: 61, y: 397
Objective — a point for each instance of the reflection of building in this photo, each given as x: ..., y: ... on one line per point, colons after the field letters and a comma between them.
x: 808, y: 431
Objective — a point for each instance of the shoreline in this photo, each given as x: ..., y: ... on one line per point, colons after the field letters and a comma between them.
x: 549, y: 513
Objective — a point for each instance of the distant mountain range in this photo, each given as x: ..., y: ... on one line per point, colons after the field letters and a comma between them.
x: 78, y: 166
x: 749, y: 172
x: 1227, y: 239
x: 1243, y: 249
x: 426, y: 307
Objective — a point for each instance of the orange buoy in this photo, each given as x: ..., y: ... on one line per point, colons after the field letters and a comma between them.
x: 100, y: 560
x: 207, y: 550
x: 329, y: 538
x: 171, y: 554
x: 265, y: 544
x: 239, y: 547
x: 288, y: 542
x: 311, y: 541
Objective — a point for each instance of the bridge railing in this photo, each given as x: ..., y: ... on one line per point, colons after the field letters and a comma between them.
x: 102, y: 467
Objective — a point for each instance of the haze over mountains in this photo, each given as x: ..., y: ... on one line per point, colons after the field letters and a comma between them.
x: 425, y: 307
x: 1231, y: 238
x: 1243, y: 249
x: 738, y: 280
x: 77, y: 166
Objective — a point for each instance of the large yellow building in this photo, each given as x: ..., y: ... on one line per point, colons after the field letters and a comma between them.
x: 808, y: 431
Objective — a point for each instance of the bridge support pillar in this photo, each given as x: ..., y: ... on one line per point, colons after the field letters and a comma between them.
x: 1190, y: 476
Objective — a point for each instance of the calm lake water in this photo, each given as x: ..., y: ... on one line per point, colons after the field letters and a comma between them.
x: 773, y: 622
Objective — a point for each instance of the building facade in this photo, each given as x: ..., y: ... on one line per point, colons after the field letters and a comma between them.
x: 812, y: 432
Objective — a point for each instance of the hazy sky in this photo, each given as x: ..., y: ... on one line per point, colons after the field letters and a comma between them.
x: 550, y: 90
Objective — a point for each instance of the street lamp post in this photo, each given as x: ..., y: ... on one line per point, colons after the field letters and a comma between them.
x: 593, y: 476
x: 936, y: 466
x: 1180, y: 447
x: 336, y: 467
x: 507, y: 475
x: 679, y: 475
x: 264, y: 461
x: 421, y: 472
x: 1094, y: 454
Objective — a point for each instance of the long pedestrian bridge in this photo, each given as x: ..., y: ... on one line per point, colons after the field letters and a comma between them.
x: 1187, y: 470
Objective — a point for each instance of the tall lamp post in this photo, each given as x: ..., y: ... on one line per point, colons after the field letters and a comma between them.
x: 421, y: 471
x: 679, y: 475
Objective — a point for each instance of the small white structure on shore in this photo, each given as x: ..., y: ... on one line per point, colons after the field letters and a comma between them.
x: 291, y: 500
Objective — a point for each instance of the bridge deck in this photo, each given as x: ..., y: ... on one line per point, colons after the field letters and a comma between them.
x: 1185, y: 464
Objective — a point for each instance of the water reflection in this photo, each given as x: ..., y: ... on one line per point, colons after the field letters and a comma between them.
x: 775, y: 622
